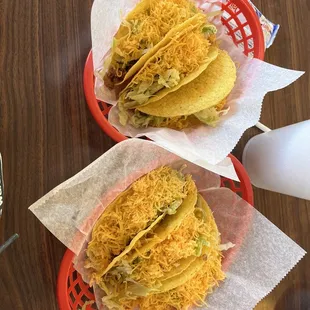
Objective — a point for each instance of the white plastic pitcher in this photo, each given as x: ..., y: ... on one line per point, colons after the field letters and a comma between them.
x: 279, y: 160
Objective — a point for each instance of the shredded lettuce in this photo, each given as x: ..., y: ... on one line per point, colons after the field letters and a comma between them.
x: 143, y: 87
x: 140, y: 98
x: 210, y: 116
x: 114, y: 43
x: 170, y: 78
x: 194, y: 9
x: 112, y: 303
x: 172, y: 209
x: 137, y: 289
x: 200, y: 213
x: 124, y: 268
x: 141, y: 120
x: 138, y: 119
x: 135, y: 26
x: 201, y: 242
x: 140, y: 93
x: 226, y: 246
x: 148, y: 48
x: 209, y: 29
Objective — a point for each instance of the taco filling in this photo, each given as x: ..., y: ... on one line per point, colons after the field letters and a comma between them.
x: 156, y: 194
x: 139, y: 33
x: 184, y: 55
x: 201, y: 101
x: 210, y: 116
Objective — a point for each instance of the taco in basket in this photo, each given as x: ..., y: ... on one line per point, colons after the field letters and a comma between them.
x: 201, y: 101
x: 154, y: 278
x: 188, y: 54
x: 133, y: 213
x: 142, y: 243
x: 145, y: 29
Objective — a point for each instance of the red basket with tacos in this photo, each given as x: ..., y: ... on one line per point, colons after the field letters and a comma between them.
x: 143, y: 105
x: 74, y: 293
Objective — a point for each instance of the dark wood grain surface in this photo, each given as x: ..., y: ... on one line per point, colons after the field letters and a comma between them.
x: 47, y: 135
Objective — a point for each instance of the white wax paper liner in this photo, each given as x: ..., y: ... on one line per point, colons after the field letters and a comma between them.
x: 203, y: 144
x: 70, y: 210
x: 263, y: 254
x: 264, y: 257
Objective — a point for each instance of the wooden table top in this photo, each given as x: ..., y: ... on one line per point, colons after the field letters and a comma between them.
x: 47, y: 135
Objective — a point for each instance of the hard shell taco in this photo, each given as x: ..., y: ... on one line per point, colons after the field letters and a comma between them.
x: 133, y: 213
x: 200, y: 101
x: 144, y: 30
x: 187, y: 54
x: 167, y: 267
x: 161, y: 227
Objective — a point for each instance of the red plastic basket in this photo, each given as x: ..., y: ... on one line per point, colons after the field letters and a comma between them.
x: 242, y: 25
x: 73, y: 292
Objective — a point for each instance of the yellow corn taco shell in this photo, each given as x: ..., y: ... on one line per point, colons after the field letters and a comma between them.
x: 132, y: 214
x: 182, y: 278
x: 168, y: 225
x: 207, y: 90
x: 181, y: 60
x: 207, y: 257
x: 189, y: 266
x: 127, y: 289
x: 133, y: 242
x: 191, y: 247
x: 151, y: 22
x: 184, y: 263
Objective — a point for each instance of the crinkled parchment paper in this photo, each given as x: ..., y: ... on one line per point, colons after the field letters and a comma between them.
x: 204, y: 144
x: 263, y: 254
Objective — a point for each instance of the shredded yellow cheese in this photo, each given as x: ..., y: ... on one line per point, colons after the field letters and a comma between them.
x: 137, y: 283
x: 162, y: 259
x: 132, y: 212
x: 146, y: 29
x: 184, y: 54
x: 180, y: 244
x: 193, y: 292
x: 185, y: 296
